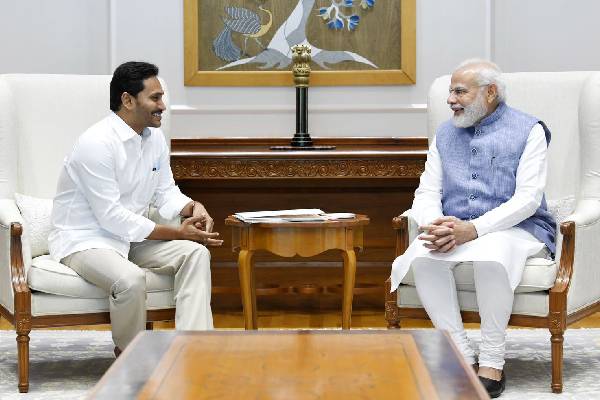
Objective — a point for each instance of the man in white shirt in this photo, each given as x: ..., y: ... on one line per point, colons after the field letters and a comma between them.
x: 480, y: 199
x: 117, y: 169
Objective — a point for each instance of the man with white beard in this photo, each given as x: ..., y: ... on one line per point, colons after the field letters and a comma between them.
x: 480, y: 200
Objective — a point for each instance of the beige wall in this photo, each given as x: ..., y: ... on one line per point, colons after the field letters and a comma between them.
x: 93, y: 36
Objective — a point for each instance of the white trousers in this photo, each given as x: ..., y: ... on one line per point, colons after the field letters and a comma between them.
x: 434, y: 281
x: 125, y: 282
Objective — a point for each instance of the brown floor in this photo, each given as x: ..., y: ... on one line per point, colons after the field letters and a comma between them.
x: 299, y: 319
x: 304, y: 310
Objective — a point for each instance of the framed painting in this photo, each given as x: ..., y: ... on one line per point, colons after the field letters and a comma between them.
x: 248, y: 42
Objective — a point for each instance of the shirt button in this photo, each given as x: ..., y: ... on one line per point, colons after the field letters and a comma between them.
x: 472, y: 216
x: 472, y: 197
x: 477, y: 132
x: 473, y: 151
x: 474, y: 176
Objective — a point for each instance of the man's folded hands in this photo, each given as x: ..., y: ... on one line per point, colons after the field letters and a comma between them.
x: 445, y: 233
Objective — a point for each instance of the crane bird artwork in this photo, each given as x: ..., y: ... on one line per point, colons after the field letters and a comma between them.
x: 291, y: 32
x: 245, y: 22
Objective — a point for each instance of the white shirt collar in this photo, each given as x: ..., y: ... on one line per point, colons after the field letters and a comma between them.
x: 124, y: 131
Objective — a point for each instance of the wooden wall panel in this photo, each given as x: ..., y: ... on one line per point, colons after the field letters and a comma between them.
x: 372, y: 176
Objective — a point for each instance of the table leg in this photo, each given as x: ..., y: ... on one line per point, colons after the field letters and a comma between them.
x: 349, y: 278
x: 248, y: 288
x: 253, y: 294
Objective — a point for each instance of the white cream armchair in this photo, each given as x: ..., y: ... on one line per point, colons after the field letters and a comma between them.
x: 551, y: 294
x: 40, y: 118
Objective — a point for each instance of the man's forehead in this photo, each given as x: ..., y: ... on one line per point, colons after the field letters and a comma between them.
x: 152, y: 85
x: 463, y: 77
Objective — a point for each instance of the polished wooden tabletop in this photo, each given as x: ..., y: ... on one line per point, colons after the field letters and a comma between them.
x: 372, y: 364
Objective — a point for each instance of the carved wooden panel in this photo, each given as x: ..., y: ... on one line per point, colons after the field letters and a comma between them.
x: 191, y: 168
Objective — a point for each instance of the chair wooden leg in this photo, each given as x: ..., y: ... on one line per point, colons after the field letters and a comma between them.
x: 557, y: 359
x: 557, y: 324
x: 23, y: 356
x: 392, y: 313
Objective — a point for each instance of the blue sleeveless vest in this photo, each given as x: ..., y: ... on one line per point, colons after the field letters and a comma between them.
x: 479, y: 167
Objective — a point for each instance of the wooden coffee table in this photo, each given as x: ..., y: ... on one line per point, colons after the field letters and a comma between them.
x: 373, y: 364
x: 288, y: 239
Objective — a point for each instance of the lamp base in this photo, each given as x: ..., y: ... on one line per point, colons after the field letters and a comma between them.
x: 297, y: 148
x: 301, y: 139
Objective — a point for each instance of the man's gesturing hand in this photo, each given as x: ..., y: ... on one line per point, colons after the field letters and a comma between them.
x: 445, y: 233
x: 190, y: 231
x: 198, y: 210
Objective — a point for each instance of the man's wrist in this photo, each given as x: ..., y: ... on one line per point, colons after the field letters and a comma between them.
x: 188, y: 209
x: 479, y: 227
x: 474, y: 232
x: 166, y: 232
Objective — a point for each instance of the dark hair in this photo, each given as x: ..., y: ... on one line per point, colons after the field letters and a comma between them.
x: 129, y: 77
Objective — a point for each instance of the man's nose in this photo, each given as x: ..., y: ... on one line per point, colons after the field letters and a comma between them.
x: 451, y: 98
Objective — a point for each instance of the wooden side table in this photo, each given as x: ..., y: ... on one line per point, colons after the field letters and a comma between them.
x: 288, y: 239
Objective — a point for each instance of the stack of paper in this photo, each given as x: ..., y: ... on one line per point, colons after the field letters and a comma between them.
x: 295, y: 215
x: 340, y: 215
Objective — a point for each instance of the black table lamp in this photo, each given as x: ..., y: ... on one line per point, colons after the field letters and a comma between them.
x: 301, y: 70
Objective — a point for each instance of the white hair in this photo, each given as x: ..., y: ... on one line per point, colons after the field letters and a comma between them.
x: 487, y: 73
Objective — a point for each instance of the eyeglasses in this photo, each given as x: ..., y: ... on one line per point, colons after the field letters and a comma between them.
x: 461, y: 91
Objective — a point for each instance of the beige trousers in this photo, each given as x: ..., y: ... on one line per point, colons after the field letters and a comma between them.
x: 125, y: 282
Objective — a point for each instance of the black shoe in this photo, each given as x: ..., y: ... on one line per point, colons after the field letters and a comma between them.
x: 493, y: 387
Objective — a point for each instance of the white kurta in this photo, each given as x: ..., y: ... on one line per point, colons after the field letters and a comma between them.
x: 498, y: 238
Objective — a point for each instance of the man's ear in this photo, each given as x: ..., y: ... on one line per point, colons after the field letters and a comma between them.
x: 492, y: 93
x: 127, y: 100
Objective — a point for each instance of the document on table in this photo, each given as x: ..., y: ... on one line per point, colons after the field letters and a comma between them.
x: 295, y: 215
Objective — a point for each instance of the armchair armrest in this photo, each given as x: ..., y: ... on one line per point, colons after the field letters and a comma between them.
x: 400, y: 225
x: 9, y: 213
x: 578, y: 277
x: 406, y: 231
x: 587, y: 212
x: 567, y: 256
x: 13, y: 279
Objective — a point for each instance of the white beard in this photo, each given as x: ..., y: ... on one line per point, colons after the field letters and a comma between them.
x: 471, y: 113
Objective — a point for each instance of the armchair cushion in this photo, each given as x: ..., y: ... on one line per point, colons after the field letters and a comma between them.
x: 36, y: 214
x: 48, y: 276
x: 50, y: 304
x: 539, y: 275
x: 533, y: 303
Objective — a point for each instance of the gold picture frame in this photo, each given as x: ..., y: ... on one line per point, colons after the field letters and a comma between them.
x: 195, y: 75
